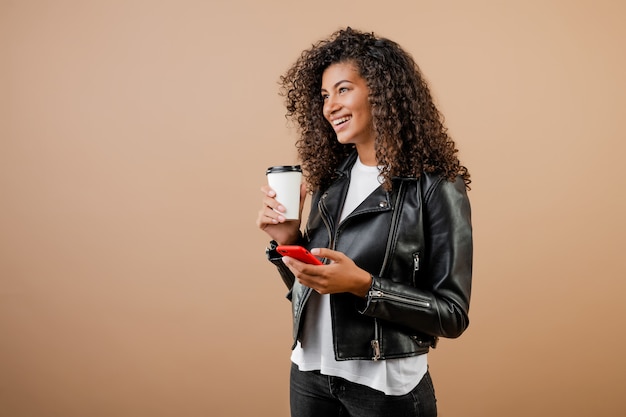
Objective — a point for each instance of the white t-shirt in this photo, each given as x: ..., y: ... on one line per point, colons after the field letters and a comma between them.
x: 315, y: 350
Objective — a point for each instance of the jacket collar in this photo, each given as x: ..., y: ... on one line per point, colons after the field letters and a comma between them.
x: 346, y: 165
x: 333, y: 198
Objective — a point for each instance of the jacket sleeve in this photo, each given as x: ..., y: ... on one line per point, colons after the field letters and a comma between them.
x: 439, y: 305
x: 276, y: 258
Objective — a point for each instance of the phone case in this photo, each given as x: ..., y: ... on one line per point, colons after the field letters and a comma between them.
x: 299, y: 253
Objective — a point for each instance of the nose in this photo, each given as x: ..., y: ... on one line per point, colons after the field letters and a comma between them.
x: 331, y: 105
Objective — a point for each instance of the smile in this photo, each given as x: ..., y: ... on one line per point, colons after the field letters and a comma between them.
x: 337, y: 122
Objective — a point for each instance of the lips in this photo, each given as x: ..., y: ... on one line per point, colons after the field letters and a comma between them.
x: 341, y: 120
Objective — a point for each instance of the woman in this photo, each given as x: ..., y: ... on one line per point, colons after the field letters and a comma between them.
x: 390, y: 218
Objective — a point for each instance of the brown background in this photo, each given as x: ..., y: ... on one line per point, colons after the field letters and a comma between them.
x: 134, y: 136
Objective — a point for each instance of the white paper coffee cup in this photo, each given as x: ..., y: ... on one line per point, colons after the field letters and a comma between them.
x: 285, y: 181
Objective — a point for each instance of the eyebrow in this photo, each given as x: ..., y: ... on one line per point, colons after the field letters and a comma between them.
x: 337, y: 83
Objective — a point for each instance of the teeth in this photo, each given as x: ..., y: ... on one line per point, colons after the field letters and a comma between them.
x: 342, y: 120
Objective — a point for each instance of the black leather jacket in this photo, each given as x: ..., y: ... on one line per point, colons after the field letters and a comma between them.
x: 416, y: 241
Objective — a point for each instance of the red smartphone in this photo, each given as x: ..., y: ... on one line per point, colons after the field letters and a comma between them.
x: 299, y: 253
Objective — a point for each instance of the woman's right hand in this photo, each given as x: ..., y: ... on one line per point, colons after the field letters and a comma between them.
x: 272, y: 221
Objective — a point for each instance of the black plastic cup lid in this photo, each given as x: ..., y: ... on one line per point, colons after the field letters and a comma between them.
x: 283, y: 168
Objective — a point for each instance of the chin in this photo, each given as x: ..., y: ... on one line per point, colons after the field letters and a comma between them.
x: 344, y: 141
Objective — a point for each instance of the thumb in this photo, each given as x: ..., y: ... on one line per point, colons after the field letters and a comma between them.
x: 333, y: 255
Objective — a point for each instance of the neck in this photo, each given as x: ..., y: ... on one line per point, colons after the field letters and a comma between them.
x: 367, y: 156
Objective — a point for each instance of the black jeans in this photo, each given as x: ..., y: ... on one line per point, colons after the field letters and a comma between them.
x: 315, y: 395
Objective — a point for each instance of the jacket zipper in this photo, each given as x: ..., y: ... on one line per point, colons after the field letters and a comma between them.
x: 322, y: 208
x: 416, y: 267
x: 332, y: 240
x: 399, y: 298
x: 393, y: 230
x: 376, y: 342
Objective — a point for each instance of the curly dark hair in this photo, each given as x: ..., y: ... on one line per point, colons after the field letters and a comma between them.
x: 410, y: 134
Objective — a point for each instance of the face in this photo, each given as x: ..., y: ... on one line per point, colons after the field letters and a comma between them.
x: 346, y: 106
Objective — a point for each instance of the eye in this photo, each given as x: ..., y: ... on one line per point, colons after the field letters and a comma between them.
x: 324, y: 97
x: 342, y: 90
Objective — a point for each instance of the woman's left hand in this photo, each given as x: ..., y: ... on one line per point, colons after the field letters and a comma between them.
x: 341, y: 275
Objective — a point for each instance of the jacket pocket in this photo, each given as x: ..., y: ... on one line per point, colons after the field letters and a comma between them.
x: 424, y: 341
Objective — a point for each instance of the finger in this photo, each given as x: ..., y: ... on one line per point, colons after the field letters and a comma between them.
x: 302, y: 269
x: 272, y: 204
x: 293, y: 263
x: 267, y: 217
x: 267, y: 190
x: 312, y: 283
x: 333, y: 255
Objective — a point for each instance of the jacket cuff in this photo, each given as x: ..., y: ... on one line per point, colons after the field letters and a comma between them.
x: 276, y: 258
x: 367, y: 305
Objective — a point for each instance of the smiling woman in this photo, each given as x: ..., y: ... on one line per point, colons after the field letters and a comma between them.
x: 399, y: 99
x: 391, y: 218
x: 347, y: 108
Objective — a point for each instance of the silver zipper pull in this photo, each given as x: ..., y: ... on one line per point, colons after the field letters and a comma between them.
x: 376, y: 293
x: 416, y: 262
x: 376, y: 349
